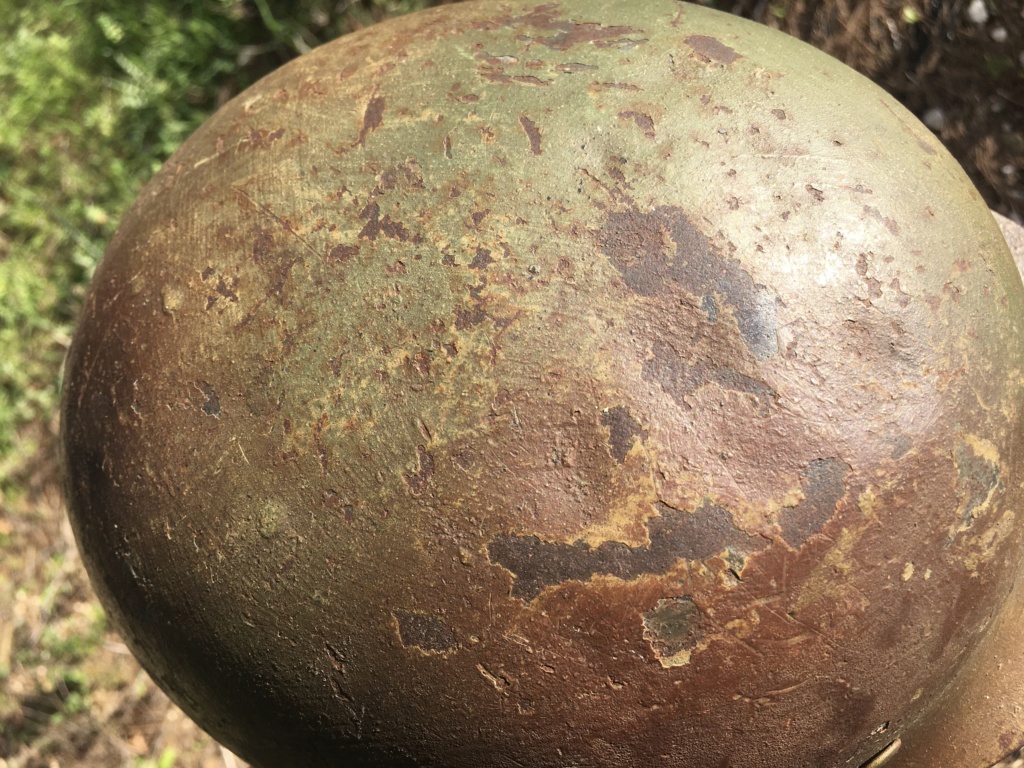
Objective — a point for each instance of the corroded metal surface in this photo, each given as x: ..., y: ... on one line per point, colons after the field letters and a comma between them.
x: 580, y: 384
x: 980, y: 717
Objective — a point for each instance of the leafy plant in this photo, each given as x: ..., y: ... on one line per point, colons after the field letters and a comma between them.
x: 94, y: 96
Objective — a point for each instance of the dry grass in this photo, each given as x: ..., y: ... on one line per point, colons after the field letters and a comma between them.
x: 72, y: 694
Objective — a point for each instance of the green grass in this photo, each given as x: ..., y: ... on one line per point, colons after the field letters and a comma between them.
x: 94, y: 96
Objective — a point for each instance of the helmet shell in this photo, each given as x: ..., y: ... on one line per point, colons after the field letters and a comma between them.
x: 578, y: 384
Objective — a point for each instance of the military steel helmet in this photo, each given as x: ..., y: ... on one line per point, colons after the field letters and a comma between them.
x: 598, y: 384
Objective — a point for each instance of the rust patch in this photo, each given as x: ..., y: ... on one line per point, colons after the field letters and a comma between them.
x: 623, y: 429
x: 420, y: 479
x: 597, y: 87
x: 673, y: 629
x: 642, y: 121
x: 342, y: 252
x: 495, y: 76
x: 978, y: 477
x: 532, y: 133
x: 823, y: 485
x: 260, y: 139
x: 482, y: 259
x: 568, y: 33
x: 660, y: 250
x: 373, y: 118
x: 712, y: 49
x: 681, y: 378
x: 377, y: 225
x: 211, y: 407
x: 674, y: 535
x: 425, y: 632
x: 875, y: 214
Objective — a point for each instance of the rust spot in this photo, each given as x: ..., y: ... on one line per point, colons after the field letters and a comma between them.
x: 482, y: 259
x: 479, y: 216
x: 426, y: 632
x: 874, y: 286
x: 469, y: 318
x: 711, y: 49
x: 223, y: 289
x: 568, y: 33
x: 823, y: 485
x: 261, y: 246
x: 212, y: 405
x: 673, y: 627
x: 875, y: 214
x: 532, y: 133
x: 641, y: 120
x: 420, y: 479
x: 681, y: 378
x: 660, y: 251
x: 333, y: 502
x: 495, y: 76
x: 597, y: 87
x: 376, y: 225
x: 977, y: 479
x: 673, y: 534
x: 622, y: 429
x: 373, y: 118
x: 259, y: 139
x: 446, y: 145
x: 342, y: 252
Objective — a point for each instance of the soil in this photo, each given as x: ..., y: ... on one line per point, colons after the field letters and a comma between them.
x: 70, y: 692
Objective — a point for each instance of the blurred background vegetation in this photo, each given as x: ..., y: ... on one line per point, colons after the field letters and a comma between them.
x: 96, y: 94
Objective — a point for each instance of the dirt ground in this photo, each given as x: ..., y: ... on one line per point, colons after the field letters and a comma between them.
x: 70, y: 692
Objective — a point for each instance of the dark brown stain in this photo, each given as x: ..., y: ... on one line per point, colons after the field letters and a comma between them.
x: 674, y: 535
x: 426, y: 632
x: 623, y: 429
x: 642, y: 121
x: 212, y: 405
x: 261, y: 246
x: 823, y: 485
x: 342, y: 252
x: 420, y: 479
x: 500, y: 77
x: 260, y: 139
x: 659, y: 251
x: 373, y: 118
x: 712, y: 49
x: 681, y: 378
x: 568, y: 33
x: 614, y: 87
x: 977, y: 479
x: 532, y: 133
x: 673, y: 626
x: 482, y: 259
x: 779, y: 113
x: 377, y: 225
x: 469, y: 318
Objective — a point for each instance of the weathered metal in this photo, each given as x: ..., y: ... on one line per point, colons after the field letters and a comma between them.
x: 581, y: 384
x: 979, y: 718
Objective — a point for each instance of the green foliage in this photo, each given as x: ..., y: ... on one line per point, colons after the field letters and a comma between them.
x: 94, y: 96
